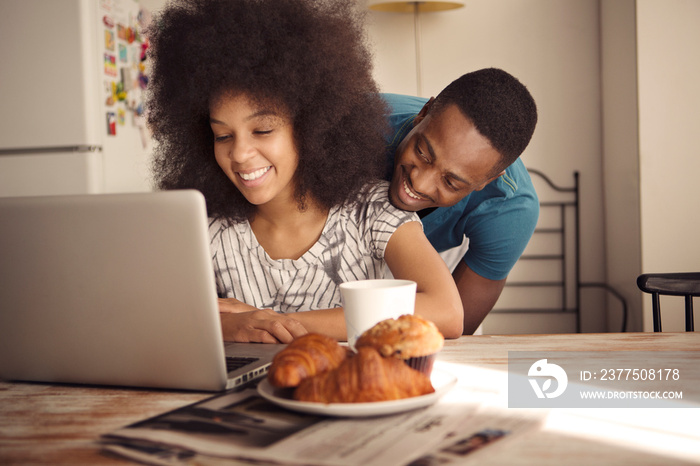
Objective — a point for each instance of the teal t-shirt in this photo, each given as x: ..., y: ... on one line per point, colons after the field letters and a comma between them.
x: 498, y: 220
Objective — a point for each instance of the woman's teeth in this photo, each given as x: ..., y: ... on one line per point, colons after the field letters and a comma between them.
x: 409, y: 192
x: 254, y: 175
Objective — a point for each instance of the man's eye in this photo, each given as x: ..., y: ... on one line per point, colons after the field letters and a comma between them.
x: 450, y: 184
x: 422, y: 155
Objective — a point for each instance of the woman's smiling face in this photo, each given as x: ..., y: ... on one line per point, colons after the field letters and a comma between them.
x: 254, y: 145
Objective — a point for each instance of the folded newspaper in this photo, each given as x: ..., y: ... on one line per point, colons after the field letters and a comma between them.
x: 241, y: 427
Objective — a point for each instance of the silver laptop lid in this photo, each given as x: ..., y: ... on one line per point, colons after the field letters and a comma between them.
x: 114, y: 289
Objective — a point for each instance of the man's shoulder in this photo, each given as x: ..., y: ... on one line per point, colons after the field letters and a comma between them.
x: 518, y: 175
x: 401, y: 113
x: 514, y: 183
x: 401, y: 104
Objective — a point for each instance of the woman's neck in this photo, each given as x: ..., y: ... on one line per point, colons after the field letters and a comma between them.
x: 286, y: 232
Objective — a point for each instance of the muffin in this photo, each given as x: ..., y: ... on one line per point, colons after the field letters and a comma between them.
x: 410, y: 338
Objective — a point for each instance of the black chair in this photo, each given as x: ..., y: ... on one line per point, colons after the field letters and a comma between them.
x: 671, y: 284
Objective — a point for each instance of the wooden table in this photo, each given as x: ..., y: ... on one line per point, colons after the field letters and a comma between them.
x: 61, y: 424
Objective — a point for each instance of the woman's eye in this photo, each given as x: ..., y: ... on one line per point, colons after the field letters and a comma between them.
x: 267, y: 131
x: 220, y: 138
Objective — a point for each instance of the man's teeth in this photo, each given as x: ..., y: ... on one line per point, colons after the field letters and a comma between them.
x: 409, y: 192
x: 254, y: 175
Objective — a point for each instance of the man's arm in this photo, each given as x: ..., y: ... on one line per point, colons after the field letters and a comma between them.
x: 478, y: 294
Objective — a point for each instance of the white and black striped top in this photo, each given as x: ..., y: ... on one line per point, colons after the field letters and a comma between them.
x: 351, y: 247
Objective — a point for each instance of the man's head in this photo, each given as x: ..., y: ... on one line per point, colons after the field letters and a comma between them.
x: 462, y: 140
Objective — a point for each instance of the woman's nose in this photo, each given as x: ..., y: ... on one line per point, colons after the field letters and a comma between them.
x: 241, y: 150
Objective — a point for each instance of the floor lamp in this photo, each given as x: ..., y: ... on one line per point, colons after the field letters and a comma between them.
x: 417, y: 7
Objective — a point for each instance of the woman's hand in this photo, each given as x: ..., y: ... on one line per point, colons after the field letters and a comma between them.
x: 244, y: 323
x: 234, y: 305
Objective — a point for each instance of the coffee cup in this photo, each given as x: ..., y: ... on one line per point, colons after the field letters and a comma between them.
x: 368, y: 302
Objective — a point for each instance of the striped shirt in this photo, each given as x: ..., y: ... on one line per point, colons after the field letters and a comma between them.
x: 351, y: 247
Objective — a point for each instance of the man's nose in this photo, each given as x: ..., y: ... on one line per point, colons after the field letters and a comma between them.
x: 423, y: 181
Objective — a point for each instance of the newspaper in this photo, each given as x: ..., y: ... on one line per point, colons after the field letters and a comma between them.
x: 240, y: 427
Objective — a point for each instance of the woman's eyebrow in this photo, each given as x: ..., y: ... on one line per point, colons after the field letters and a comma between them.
x: 262, y: 113
x: 258, y: 114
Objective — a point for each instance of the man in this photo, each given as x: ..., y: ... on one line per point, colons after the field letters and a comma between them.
x: 455, y: 161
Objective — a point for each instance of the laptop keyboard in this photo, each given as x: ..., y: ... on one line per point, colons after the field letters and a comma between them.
x: 236, y: 362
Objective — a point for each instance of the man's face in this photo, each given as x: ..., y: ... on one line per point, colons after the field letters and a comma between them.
x: 442, y: 160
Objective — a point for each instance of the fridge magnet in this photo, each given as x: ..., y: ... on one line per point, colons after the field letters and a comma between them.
x: 143, y: 18
x: 109, y: 40
x: 127, y: 80
x: 107, y: 89
x: 131, y: 35
x: 121, y: 116
x: 123, y: 56
x: 110, y: 65
x: 121, y: 32
x: 108, y: 21
x: 120, y: 92
x: 144, y: 48
x: 140, y: 122
x: 111, y: 124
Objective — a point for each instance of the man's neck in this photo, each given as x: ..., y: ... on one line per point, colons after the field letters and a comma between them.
x: 425, y: 212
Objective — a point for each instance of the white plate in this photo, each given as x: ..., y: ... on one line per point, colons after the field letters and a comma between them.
x: 442, y: 383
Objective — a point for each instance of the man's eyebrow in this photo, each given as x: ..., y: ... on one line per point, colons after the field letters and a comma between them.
x: 431, y: 151
x: 425, y: 141
x: 458, y: 178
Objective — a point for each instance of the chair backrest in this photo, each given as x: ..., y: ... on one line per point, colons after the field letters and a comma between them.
x: 671, y: 284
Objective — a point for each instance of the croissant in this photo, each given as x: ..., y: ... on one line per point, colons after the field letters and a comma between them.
x: 364, y: 377
x: 305, y: 357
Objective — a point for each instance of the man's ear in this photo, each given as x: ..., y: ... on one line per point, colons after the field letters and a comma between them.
x: 489, y: 181
x: 423, y: 111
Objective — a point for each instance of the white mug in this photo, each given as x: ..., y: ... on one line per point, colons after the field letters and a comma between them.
x: 367, y: 302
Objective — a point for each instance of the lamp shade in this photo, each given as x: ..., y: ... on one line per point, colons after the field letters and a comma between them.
x: 403, y: 6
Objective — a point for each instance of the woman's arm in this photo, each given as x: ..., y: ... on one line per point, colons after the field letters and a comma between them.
x: 410, y: 256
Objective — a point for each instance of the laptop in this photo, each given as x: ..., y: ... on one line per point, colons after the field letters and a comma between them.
x: 115, y: 289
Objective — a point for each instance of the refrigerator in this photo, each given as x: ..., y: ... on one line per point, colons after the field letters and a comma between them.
x: 72, y: 83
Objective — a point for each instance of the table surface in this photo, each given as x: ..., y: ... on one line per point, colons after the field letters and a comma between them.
x: 62, y: 424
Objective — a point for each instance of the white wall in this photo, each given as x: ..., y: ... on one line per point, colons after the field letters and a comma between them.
x: 621, y: 155
x: 669, y: 138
